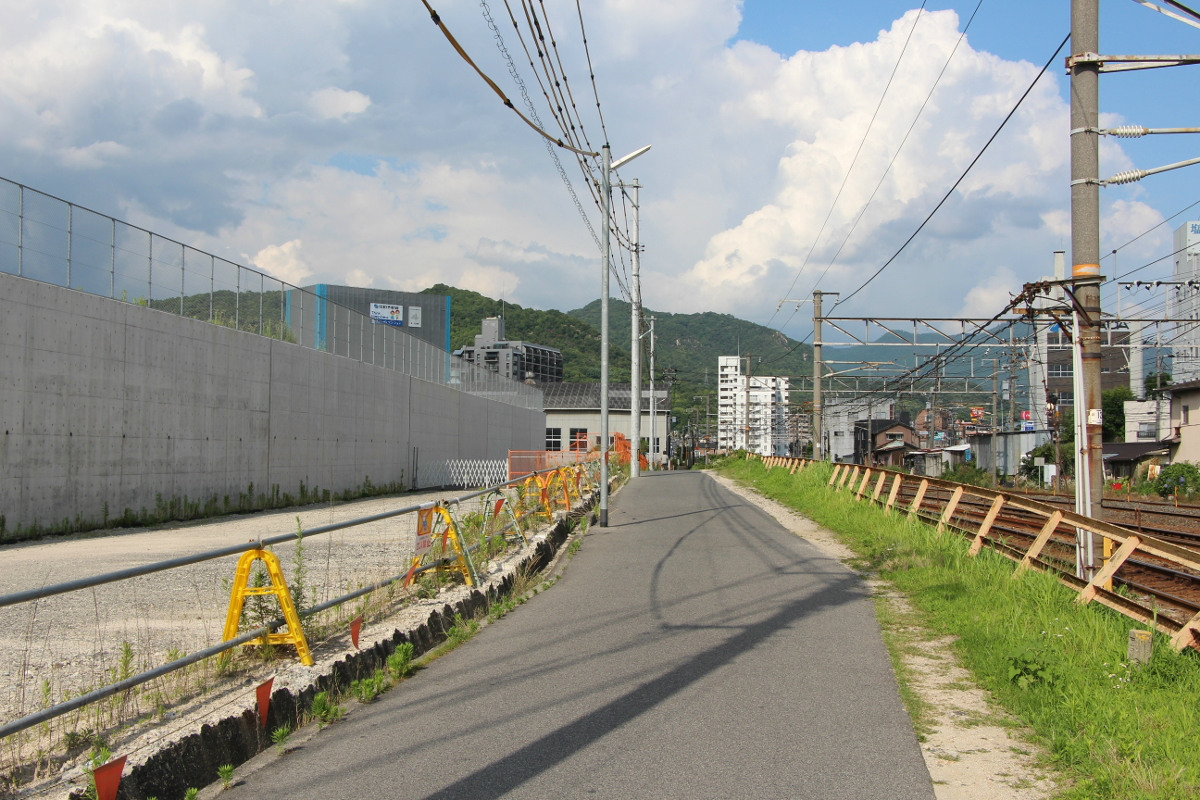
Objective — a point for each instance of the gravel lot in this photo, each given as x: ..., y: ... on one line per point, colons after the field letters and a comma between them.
x: 75, y: 640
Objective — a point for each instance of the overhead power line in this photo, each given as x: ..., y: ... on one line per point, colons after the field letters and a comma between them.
x: 962, y: 177
x: 437, y: 20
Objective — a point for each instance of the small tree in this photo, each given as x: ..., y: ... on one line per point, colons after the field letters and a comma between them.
x: 1113, y: 402
x: 1153, y: 381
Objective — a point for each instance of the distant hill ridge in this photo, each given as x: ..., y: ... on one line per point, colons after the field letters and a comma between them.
x: 689, y: 344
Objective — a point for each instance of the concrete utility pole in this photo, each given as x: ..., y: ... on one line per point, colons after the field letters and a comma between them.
x: 653, y: 402
x: 818, y: 415
x: 746, y: 417
x: 1085, y: 247
x: 635, y: 346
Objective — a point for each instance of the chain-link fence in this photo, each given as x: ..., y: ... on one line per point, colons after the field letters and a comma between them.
x: 54, y: 241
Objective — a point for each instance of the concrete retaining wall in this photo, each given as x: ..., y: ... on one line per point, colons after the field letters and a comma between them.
x: 107, y: 406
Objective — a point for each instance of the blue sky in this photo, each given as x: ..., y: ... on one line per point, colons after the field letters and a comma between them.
x: 358, y: 148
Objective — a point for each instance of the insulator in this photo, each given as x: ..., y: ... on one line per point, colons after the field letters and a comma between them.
x: 1130, y: 176
x: 1129, y: 131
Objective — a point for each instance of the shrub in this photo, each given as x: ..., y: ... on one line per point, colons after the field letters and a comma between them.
x: 1182, y: 477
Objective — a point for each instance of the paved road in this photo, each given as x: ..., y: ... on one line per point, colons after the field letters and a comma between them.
x: 692, y: 649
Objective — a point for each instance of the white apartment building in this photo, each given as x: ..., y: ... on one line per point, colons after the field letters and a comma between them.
x: 1184, y: 304
x: 752, y: 417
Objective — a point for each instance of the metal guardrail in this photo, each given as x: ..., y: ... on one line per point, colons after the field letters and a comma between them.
x: 941, y: 503
x: 548, y: 500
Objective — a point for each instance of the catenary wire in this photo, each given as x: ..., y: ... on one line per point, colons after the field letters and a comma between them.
x: 853, y: 161
x: 961, y: 178
x: 437, y: 20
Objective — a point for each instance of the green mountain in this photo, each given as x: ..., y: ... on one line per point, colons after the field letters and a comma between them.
x: 578, y: 341
x: 686, y: 345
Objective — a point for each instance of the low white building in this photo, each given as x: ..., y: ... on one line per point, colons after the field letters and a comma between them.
x: 1147, y: 420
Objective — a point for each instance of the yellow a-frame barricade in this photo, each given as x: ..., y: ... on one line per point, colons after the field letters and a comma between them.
x: 277, y: 587
x: 426, y: 519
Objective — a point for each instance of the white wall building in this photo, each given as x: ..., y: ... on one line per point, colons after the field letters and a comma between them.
x: 754, y: 417
x: 1184, y: 303
x: 1147, y: 420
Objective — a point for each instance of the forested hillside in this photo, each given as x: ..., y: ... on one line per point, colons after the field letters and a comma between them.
x: 687, y: 345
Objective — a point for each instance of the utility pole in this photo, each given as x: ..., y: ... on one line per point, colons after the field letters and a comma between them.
x: 653, y: 399
x: 746, y: 418
x: 818, y: 416
x: 995, y: 395
x: 1085, y: 252
x: 635, y: 346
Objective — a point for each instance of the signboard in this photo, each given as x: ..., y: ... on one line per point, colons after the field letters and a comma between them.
x: 977, y: 413
x: 1028, y: 426
x: 414, y: 316
x: 1026, y: 415
x: 387, y: 314
x: 1095, y: 416
x: 424, y: 532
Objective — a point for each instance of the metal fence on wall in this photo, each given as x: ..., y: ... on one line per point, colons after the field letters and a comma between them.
x: 54, y: 241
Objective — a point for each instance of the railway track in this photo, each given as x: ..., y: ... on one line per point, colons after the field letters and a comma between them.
x: 1179, y: 524
x: 1148, y: 569
x: 1153, y: 582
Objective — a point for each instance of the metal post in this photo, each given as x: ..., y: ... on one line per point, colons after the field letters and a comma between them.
x: 995, y: 393
x: 653, y: 403
x: 605, y: 244
x: 1085, y: 243
x: 746, y: 428
x: 818, y: 421
x: 70, y: 217
x: 635, y: 347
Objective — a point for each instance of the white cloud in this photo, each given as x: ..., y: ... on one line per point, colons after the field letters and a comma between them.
x: 334, y: 103
x: 200, y: 122
x: 93, y: 155
x: 990, y: 295
x: 284, y: 262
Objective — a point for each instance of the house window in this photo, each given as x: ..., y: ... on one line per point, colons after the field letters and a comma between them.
x: 1145, y: 430
x: 579, y: 440
x: 554, y: 439
x: 895, y: 437
x: 1186, y: 421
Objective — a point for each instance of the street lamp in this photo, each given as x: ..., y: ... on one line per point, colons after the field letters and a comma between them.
x: 607, y: 165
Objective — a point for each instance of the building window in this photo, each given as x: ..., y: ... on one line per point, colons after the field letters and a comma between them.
x: 1059, y: 370
x: 554, y: 439
x: 1066, y: 399
x: 579, y: 440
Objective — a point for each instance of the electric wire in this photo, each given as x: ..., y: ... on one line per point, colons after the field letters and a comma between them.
x: 853, y: 161
x: 961, y: 178
x: 937, y: 81
x: 437, y: 20
x: 516, y: 76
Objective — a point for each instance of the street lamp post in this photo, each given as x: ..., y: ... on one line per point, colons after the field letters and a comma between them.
x: 635, y: 344
x: 607, y: 165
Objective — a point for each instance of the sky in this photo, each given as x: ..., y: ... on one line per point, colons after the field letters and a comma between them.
x: 796, y: 144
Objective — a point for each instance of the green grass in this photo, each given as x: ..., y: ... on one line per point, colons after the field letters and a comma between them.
x: 1111, y: 729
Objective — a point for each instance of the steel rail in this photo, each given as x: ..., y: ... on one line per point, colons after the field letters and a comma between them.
x: 940, y: 503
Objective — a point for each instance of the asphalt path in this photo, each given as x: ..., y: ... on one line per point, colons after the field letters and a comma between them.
x: 692, y: 649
